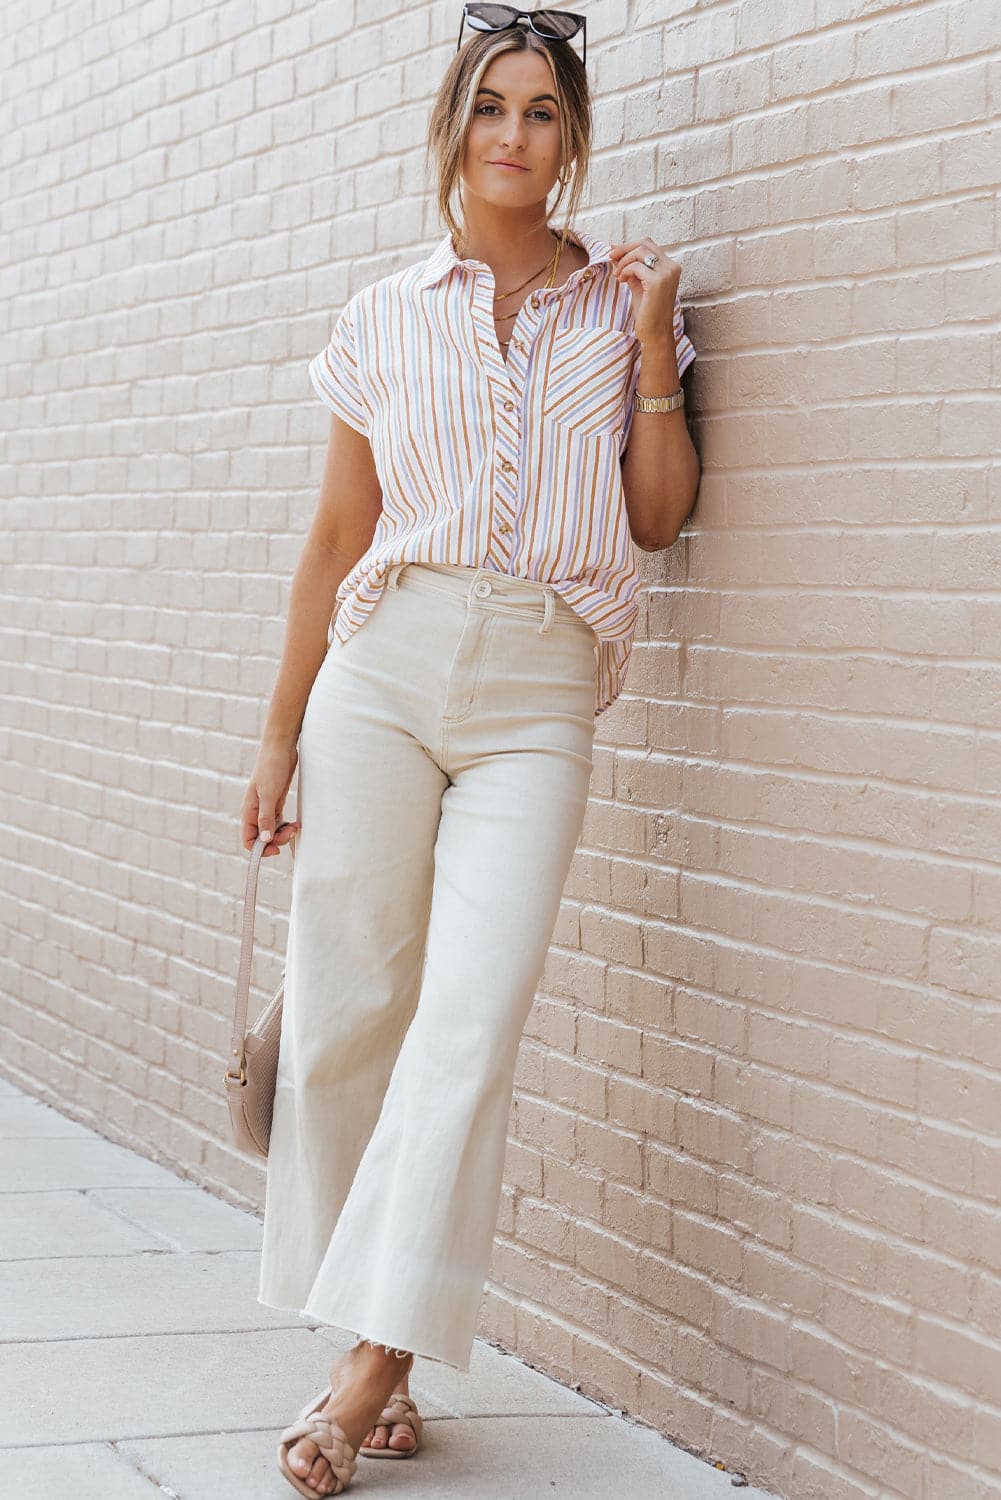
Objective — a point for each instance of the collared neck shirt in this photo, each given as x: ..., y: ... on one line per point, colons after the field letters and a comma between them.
x: 511, y: 464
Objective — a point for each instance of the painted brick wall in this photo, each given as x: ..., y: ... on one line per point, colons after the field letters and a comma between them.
x: 754, y: 1181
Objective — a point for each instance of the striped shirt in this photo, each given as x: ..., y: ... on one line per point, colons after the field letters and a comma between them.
x: 508, y: 464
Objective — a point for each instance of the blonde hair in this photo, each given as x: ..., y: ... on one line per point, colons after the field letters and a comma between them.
x: 456, y: 99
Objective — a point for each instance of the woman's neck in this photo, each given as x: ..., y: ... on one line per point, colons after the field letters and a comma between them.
x: 511, y: 255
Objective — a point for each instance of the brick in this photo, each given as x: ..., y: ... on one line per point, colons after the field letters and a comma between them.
x: 947, y: 363
x: 699, y: 1362
x: 772, y: 259
x: 669, y: 1063
x: 940, y: 101
x: 634, y: 1213
x: 900, y: 302
x: 571, y: 1083
x: 608, y: 1256
x: 672, y: 1408
x: 744, y: 1325
x: 959, y: 1482
x: 812, y: 190
x: 957, y: 1355
x: 971, y: 28
x: 695, y: 159
x: 810, y: 66
x: 966, y: 426
x: 901, y: 42
x: 957, y: 1092
x: 869, y: 1448
x: 634, y: 59
x: 970, y: 291
x: 858, y: 117
x: 818, y: 1478
x: 766, y: 140
x: 794, y: 1409
x: 871, y: 1323
x: 687, y: 1183
x: 700, y: 40
x: 855, y: 247
x: 755, y: 1212
x: 901, y: 175
x: 713, y: 1135
x: 786, y: 1045
x: 728, y: 908
x: 969, y: 960
x: 741, y: 83
x: 613, y: 1151
x: 772, y: 1276
x: 764, y: 1096
x: 763, y: 22
x: 925, y: 1279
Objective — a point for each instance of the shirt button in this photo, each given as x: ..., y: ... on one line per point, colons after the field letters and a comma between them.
x: 509, y: 406
x: 482, y: 588
x: 502, y: 526
x: 505, y: 464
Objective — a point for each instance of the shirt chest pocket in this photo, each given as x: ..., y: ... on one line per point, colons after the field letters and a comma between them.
x: 585, y: 374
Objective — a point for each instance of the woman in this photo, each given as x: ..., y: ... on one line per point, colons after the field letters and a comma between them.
x: 476, y: 527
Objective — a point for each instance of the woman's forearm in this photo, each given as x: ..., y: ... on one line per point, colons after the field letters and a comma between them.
x: 313, y: 597
x: 660, y: 472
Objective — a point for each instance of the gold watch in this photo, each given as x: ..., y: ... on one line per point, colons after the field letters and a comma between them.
x: 659, y: 403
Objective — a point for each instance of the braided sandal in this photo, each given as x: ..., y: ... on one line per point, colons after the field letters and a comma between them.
x: 329, y: 1437
x: 400, y: 1409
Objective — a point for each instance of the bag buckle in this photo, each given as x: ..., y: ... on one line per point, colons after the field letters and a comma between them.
x: 240, y: 1077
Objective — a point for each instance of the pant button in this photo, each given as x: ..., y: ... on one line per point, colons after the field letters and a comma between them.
x: 482, y: 588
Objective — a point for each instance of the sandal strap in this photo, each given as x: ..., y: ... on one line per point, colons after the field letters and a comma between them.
x: 400, y: 1409
x: 330, y: 1438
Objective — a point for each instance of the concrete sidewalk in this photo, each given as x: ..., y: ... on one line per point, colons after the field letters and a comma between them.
x: 136, y: 1362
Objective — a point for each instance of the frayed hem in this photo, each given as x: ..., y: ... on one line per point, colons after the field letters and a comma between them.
x: 438, y: 1359
x: 327, y: 1322
x: 400, y: 1353
x: 305, y: 1313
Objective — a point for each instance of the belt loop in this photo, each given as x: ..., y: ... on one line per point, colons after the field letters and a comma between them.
x: 394, y: 574
x: 547, y: 618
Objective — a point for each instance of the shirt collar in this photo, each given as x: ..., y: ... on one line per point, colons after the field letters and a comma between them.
x: 443, y: 258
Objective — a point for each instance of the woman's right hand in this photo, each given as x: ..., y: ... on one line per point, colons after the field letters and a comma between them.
x: 265, y: 797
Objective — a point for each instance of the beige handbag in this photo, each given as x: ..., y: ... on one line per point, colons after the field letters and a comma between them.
x: 250, y: 1078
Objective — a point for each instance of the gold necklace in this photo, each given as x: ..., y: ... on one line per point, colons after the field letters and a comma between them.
x: 549, y: 282
x: 502, y: 295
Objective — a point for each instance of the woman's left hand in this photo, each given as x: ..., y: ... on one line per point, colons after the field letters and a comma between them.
x: 654, y: 288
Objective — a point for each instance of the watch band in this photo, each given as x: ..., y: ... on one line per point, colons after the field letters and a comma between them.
x: 659, y: 403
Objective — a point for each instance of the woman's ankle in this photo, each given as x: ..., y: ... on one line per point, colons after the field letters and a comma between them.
x: 399, y: 1360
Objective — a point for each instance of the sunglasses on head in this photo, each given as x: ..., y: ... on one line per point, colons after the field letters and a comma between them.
x: 551, y: 25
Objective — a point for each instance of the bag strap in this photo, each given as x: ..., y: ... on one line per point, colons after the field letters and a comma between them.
x: 237, y: 1070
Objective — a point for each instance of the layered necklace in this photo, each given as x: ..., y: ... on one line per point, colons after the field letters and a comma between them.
x: 502, y: 296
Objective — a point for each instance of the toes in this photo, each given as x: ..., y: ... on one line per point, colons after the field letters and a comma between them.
x: 319, y: 1474
x: 301, y: 1456
x: 399, y: 1436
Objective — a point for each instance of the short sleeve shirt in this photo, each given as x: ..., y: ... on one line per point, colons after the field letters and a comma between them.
x: 512, y: 465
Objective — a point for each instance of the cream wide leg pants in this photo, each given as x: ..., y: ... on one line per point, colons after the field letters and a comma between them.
x: 444, y: 767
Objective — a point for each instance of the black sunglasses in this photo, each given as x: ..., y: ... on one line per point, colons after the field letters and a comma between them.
x: 551, y: 25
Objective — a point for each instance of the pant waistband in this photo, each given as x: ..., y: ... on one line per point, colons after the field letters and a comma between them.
x: 489, y: 587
